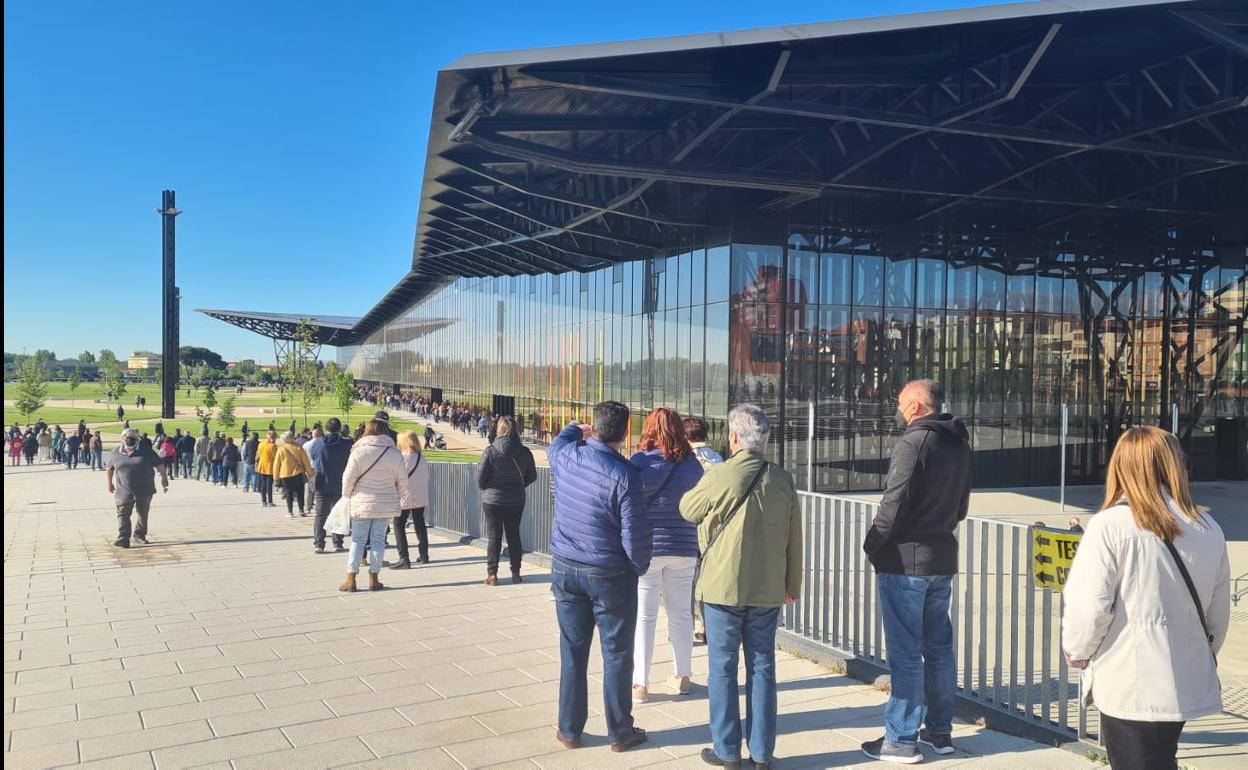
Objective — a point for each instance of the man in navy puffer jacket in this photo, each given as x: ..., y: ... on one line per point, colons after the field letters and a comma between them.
x: 600, y: 542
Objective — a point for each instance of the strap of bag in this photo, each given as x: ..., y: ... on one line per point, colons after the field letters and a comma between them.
x: 666, y: 478
x: 724, y: 524
x: 1191, y: 589
x: 369, y: 468
x: 513, y: 462
x: 414, y: 467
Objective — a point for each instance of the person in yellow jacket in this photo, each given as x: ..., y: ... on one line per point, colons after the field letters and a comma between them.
x: 292, y: 470
x: 265, y: 454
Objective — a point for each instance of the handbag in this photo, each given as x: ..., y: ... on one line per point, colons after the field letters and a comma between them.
x: 1191, y: 589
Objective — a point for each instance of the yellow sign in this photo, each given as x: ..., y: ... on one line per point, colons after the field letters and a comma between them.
x: 1052, y: 553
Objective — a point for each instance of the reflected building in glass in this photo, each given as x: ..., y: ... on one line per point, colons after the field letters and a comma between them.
x: 1040, y: 208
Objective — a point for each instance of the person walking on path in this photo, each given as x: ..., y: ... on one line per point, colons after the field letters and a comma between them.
x: 73, y: 445
x: 292, y: 469
x: 429, y: 434
x: 202, y: 445
x: 121, y: 413
x: 265, y: 456
x: 251, y: 443
x: 186, y: 452
x: 215, y: 451
x: 914, y: 551
x: 97, y: 452
x: 506, y: 469
x: 375, y: 481
x: 230, y: 458
x: 668, y: 471
x: 131, y: 480
x: 45, y: 445
x: 417, y: 471
x: 30, y: 447
x: 600, y: 543
x: 750, y: 536
x: 329, y: 462
x: 15, y: 450
x: 1147, y: 604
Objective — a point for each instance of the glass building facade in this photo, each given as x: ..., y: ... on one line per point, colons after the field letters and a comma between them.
x: 821, y: 325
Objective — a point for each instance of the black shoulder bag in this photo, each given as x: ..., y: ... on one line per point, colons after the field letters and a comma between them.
x: 710, y: 541
x: 1191, y: 589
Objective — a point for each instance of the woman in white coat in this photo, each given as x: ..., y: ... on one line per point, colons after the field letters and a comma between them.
x: 375, y: 481
x: 1146, y: 641
x: 417, y: 471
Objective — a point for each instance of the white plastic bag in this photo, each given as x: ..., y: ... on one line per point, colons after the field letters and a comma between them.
x: 339, y: 520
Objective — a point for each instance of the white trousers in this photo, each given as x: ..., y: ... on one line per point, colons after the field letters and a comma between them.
x: 672, y: 577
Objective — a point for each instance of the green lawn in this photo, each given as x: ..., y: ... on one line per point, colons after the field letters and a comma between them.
x: 66, y: 416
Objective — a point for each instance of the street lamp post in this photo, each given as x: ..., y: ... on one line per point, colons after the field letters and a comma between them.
x: 169, y: 305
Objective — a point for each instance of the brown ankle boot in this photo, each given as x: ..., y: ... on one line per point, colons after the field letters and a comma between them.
x: 349, y: 583
x: 374, y: 583
x: 491, y: 580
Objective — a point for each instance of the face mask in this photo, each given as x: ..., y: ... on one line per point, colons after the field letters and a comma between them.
x: 901, y: 419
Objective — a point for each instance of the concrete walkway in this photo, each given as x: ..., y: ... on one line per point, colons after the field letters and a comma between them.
x: 224, y: 644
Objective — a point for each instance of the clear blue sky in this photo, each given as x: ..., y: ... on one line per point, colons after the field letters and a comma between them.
x: 293, y: 132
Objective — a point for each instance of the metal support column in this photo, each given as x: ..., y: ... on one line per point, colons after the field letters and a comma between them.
x: 170, y: 318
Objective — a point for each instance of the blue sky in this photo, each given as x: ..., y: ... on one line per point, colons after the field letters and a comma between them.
x: 293, y: 132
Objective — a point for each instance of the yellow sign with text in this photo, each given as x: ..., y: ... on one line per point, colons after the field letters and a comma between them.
x: 1053, y: 550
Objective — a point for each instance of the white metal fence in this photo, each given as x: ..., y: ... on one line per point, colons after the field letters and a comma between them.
x: 1006, y: 628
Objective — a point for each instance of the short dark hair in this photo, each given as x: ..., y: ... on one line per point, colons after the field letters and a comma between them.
x: 333, y: 425
x: 695, y: 428
x: 610, y: 421
x: 929, y: 392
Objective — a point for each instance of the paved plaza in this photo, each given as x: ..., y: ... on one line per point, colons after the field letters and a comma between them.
x: 225, y: 644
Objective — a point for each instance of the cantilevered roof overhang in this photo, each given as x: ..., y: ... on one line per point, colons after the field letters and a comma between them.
x: 1108, y: 119
x: 336, y: 331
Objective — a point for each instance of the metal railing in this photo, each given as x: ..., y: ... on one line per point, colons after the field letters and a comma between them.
x: 1239, y: 588
x: 1006, y: 628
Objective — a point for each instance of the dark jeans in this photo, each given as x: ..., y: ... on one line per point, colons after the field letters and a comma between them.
x: 71, y: 459
x: 188, y: 464
x: 216, y: 471
x: 1140, y: 745
x: 265, y: 483
x: 417, y: 515
x: 226, y: 472
x: 586, y: 596
x: 728, y: 630
x: 142, y: 505
x: 921, y: 665
x: 324, y: 502
x: 500, y: 519
x: 292, y: 490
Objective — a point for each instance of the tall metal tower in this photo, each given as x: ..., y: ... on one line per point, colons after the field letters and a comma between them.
x: 169, y: 307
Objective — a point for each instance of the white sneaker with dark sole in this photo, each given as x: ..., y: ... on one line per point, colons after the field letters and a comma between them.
x: 939, y: 742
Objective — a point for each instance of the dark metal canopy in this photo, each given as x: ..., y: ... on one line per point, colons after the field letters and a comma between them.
x: 332, y: 330
x: 1097, y: 118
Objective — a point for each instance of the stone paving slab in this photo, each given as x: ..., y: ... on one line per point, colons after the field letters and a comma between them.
x: 226, y: 644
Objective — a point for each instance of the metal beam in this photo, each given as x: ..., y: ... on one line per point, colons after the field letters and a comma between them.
x: 501, y: 226
x: 492, y: 242
x: 1211, y: 28
x: 864, y: 116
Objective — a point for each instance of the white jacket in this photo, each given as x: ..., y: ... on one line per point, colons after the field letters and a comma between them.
x: 379, y: 493
x: 1128, y: 610
x: 417, y: 470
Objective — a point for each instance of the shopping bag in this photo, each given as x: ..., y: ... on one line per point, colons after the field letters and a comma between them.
x: 339, y: 520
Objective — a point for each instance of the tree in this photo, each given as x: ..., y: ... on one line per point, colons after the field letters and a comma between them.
x: 300, y: 374
x: 344, y: 392
x: 32, y: 391
x: 75, y: 379
x: 86, y: 357
x: 226, y: 416
x: 265, y: 376
x: 210, y: 399
x: 45, y: 359
x: 112, y: 378
x: 193, y: 357
x: 105, y: 358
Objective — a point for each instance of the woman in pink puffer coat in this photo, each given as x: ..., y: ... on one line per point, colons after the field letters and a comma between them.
x: 375, y: 482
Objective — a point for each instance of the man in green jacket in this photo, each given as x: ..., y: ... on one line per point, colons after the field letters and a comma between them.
x: 750, y: 536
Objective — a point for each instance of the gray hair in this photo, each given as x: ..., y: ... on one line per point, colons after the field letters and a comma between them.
x: 751, y: 426
x: 927, y: 392
x: 288, y: 437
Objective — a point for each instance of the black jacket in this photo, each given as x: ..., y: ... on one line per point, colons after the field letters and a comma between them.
x: 186, y: 444
x: 928, y: 490
x: 329, y: 460
x: 230, y: 455
x: 506, y: 468
x: 249, y: 448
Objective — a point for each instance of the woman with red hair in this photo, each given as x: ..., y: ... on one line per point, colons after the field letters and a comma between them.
x: 669, y: 469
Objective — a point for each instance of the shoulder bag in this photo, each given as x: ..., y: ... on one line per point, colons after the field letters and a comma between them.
x: 339, y: 520
x: 710, y: 541
x: 1191, y: 589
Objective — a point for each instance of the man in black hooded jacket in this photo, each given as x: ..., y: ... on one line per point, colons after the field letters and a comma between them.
x: 911, y: 544
x: 329, y: 460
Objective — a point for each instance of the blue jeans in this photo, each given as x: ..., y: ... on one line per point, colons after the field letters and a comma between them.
x: 217, y: 475
x: 727, y: 630
x: 586, y: 596
x: 249, y: 477
x: 188, y: 459
x: 370, y: 534
x: 921, y: 664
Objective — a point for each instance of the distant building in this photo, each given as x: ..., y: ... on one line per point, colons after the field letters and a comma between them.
x: 142, y: 362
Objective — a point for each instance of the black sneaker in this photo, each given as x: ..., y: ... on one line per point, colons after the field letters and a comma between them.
x: 941, y: 743
x: 884, y: 751
x: 121, y: 543
x: 711, y: 758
